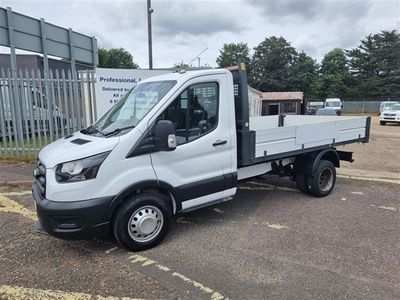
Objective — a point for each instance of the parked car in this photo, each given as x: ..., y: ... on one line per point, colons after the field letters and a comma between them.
x: 334, y: 104
x: 312, y: 107
x: 325, y: 112
x: 386, y: 105
x: 391, y: 116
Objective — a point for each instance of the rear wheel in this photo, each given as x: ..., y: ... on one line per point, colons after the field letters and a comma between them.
x: 142, y: 221
x: 382, y: 122
x: 324, y: 179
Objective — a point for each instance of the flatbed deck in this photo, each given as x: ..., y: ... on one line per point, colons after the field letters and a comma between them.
x: 303, y: 133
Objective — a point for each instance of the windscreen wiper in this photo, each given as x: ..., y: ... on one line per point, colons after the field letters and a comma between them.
x: 118, y: 130
x: 91, y: 129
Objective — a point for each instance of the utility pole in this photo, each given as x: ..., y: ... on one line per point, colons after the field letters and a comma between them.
x: 150, y: 41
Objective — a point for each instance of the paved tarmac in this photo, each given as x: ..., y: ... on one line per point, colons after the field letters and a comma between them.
x: 269, y: 242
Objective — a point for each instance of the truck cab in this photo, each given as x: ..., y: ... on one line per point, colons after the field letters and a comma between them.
x: 175, y: 143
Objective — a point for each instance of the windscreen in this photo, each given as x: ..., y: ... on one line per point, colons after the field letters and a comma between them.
x: 134, y: 106
x: 332, y: 104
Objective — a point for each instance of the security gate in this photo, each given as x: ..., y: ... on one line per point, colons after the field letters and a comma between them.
x: 35, y: 111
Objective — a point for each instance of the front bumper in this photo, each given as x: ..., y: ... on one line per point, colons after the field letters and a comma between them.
x: 73, y: 220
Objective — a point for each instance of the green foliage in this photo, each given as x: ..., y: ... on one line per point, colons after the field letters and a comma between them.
x: 232, y: 54
x: 271, y: 63
x: 303, y: 73
x: 375, y: 64
x: 117, y: 58
x: 334, y: 76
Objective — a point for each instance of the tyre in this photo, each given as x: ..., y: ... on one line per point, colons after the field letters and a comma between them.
x: 142, y: 221
x: 301, y: 183
x: 382, y: 122
x: 324, y: 179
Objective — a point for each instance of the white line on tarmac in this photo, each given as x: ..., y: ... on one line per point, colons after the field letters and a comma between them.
x: 16, y: 292
x: 147, y: 262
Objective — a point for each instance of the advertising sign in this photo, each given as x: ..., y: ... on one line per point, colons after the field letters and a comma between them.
x: 113, y: 84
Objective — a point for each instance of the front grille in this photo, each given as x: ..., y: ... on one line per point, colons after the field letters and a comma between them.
x: 40, y: 175
x: 389, y: 115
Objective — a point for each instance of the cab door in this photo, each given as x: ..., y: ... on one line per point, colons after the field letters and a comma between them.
x: 199, y: 166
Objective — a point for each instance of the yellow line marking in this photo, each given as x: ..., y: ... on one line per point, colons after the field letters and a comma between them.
x: 395, y: 181
x: 15, y: 292
x: 145, y: 262
x: 163, y: 268
x: 17, y: 193
x: 276, y: 226
x: 287, y: 189
x: 10, y: 206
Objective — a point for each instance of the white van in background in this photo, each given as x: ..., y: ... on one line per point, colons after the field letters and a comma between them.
x: 386, y: 105
x: 334, y: 103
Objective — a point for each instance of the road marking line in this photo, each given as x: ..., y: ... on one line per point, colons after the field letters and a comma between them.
x: 11, y: 206
x: 357, y: 193
x: 276, y: 226
x: 343, y: 198
x: 111, y: 250
x: 218, y: 210
x: 16, y: 193
x: 267, y: 187
x: 145, y: 262
x: 16, y: 292
x: 395, y: 181
x: 391, y: 208
x: 255, y: 188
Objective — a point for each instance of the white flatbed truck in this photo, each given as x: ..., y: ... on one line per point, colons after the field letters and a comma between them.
x: 176, y: 143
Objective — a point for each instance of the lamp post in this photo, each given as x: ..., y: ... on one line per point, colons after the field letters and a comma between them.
x: 150, y: 42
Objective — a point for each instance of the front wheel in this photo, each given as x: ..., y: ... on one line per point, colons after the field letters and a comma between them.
x: 382, y: 122
x: 324, y: 180
x: 142, y: 221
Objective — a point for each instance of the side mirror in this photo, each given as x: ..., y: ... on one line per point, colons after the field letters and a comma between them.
x: 165, y: 139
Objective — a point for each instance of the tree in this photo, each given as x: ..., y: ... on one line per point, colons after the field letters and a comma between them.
x: 303, y: 73
x: 232, y: 54
x: 271, y: 64
x: 117, y: 58
x: 334, y: 75
x: 377, y: 55
x: 375, y: 64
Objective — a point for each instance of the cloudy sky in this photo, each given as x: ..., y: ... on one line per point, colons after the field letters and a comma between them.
x: 183, y: 28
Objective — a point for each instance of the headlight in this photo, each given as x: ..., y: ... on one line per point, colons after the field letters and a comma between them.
x: 79, y: 170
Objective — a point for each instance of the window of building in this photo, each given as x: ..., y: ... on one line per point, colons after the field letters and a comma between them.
x: 289, y: 107
x: 194, y: 112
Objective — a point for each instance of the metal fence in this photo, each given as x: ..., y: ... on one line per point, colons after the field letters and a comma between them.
x: 36, y: 110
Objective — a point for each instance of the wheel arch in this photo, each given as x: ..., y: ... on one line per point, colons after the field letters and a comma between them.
x: 308, y: 164
x: 149, y: 185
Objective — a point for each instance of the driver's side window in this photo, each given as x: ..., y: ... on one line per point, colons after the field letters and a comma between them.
x: 194, y: 112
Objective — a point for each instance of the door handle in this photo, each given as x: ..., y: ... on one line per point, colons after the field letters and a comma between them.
x: 219, y: 143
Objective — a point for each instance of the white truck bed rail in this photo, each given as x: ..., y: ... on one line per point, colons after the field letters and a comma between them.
x: 302, y: 133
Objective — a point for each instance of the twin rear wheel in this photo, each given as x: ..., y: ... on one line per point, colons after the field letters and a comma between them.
x: 142, y: 221
x: 321, y: 183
